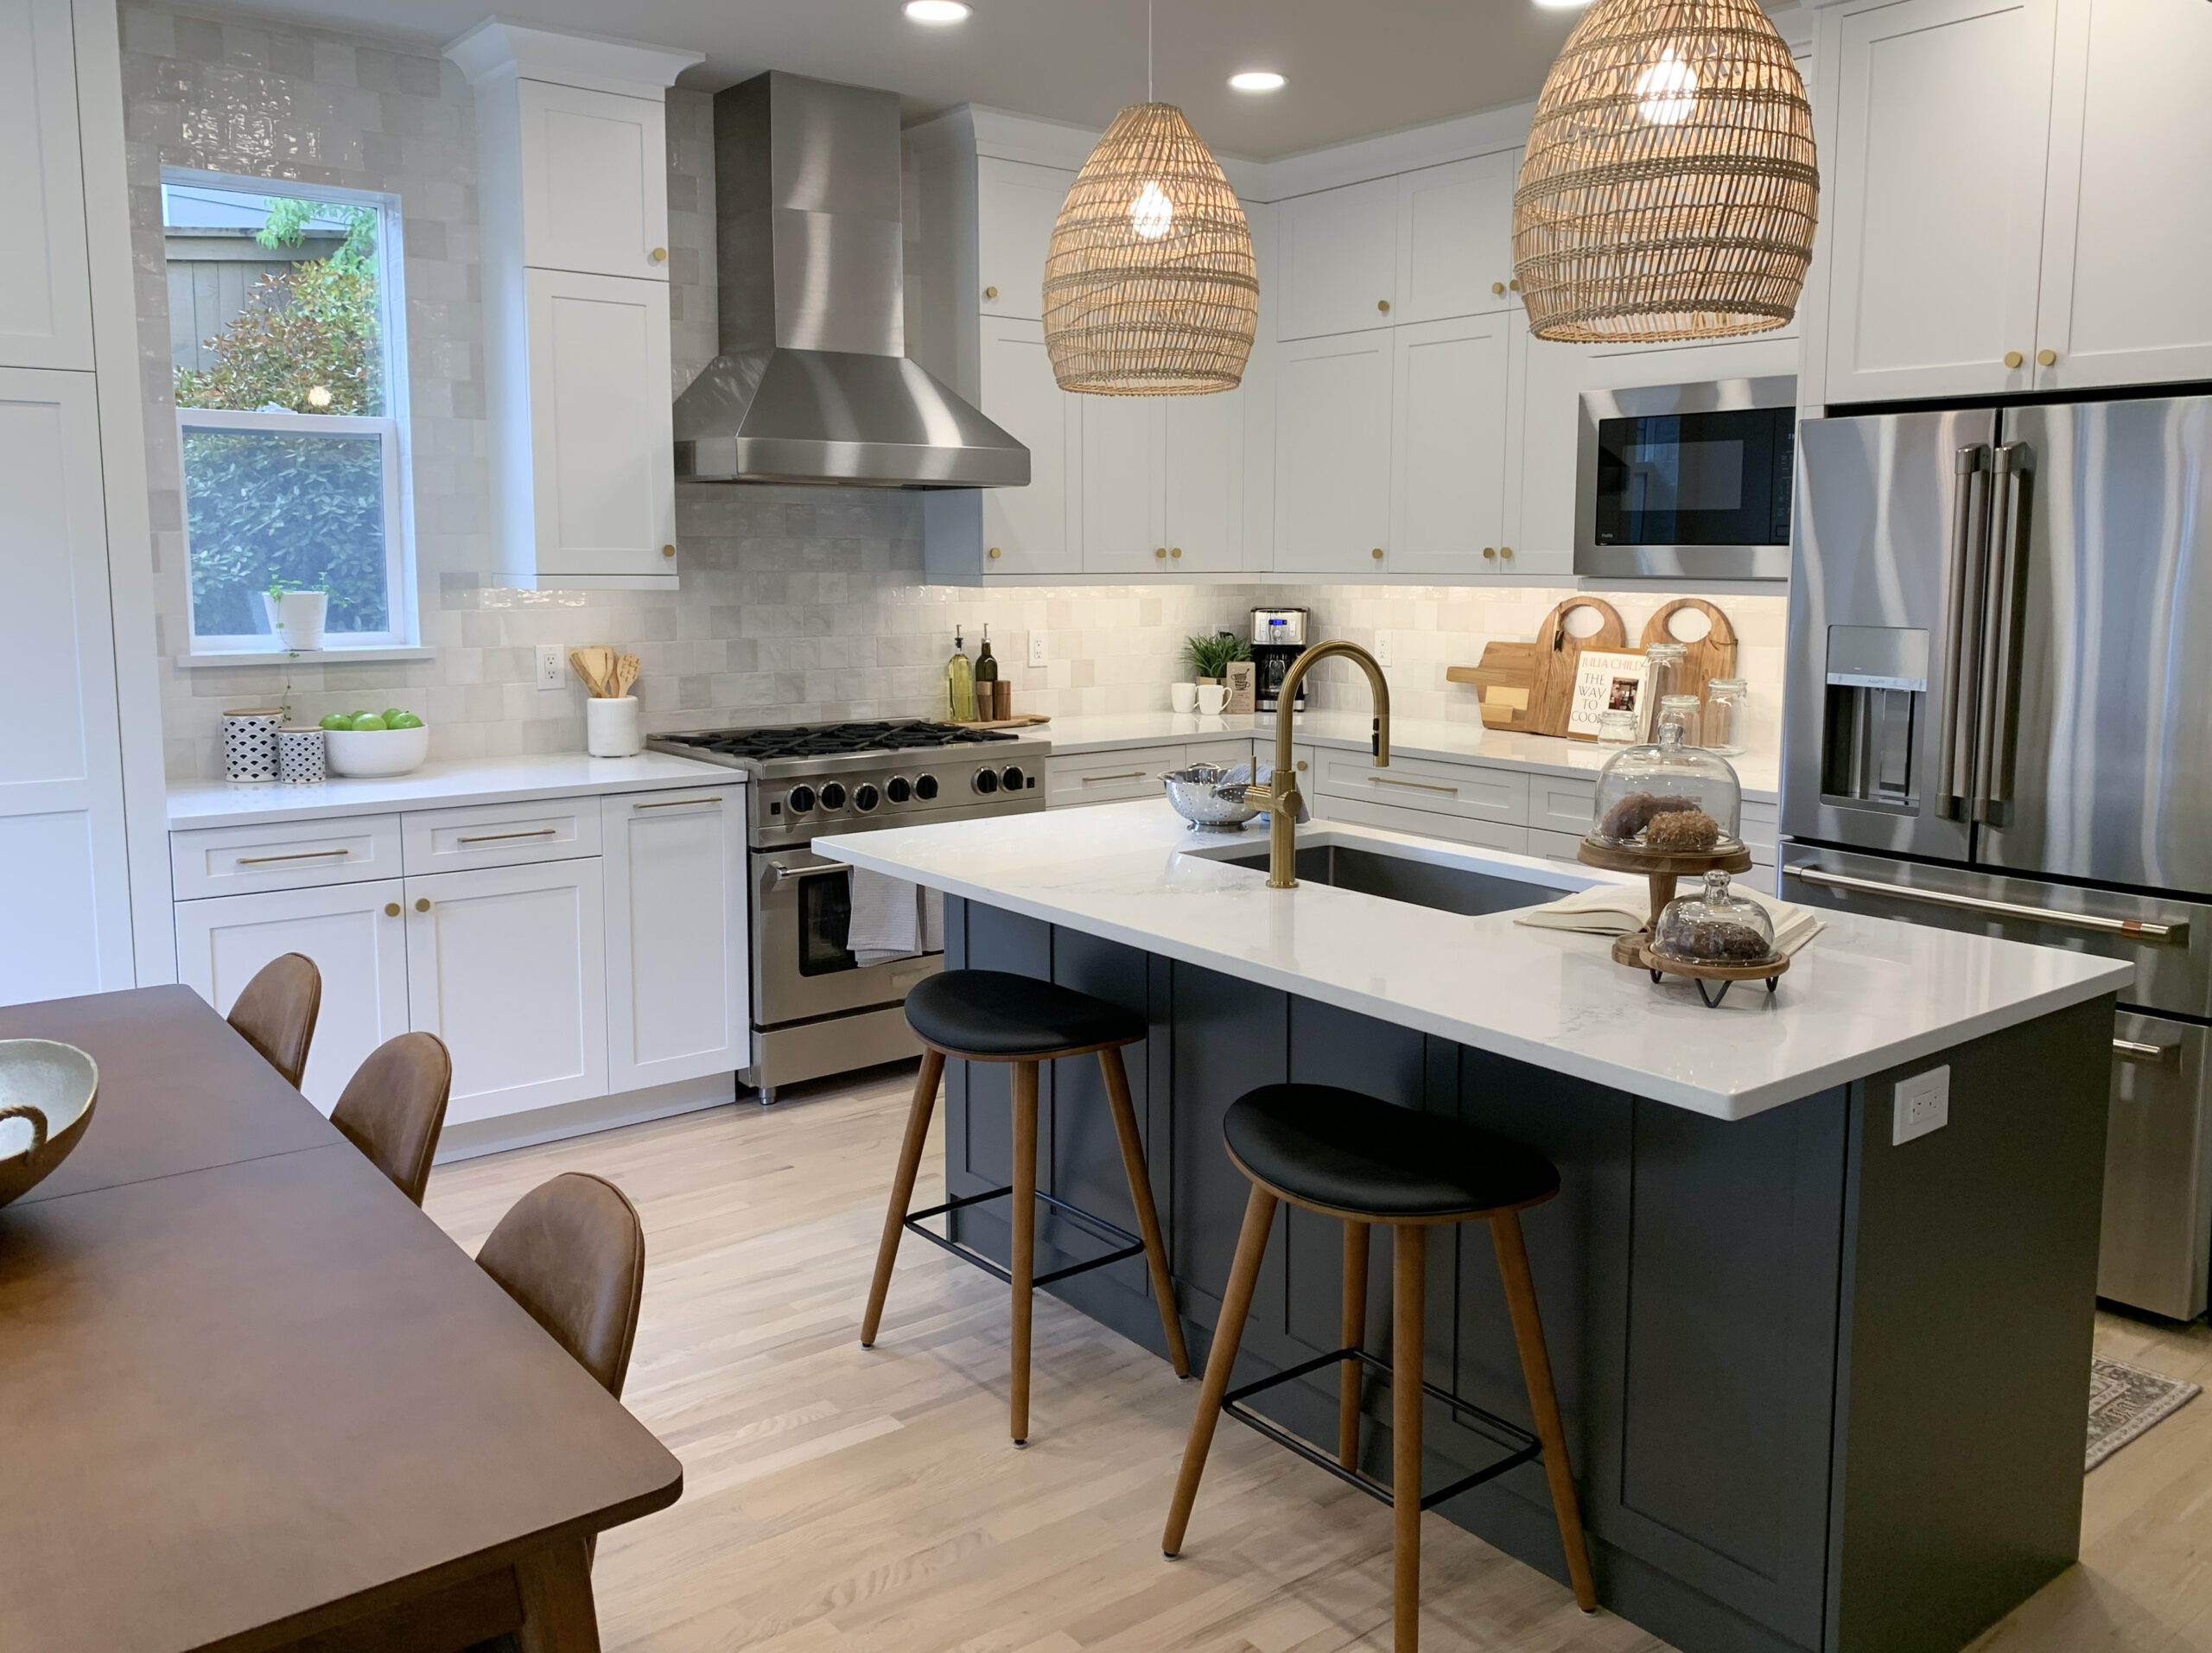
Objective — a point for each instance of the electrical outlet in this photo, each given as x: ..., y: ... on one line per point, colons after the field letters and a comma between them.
x: 550, y: 666
x: 1037, y: 654
x: 1381, y: 648
x: 1922, y: 1105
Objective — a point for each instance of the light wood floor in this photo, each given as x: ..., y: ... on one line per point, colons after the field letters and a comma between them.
x: 838, y: 1498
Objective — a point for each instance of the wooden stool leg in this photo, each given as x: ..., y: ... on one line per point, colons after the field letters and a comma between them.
x: 1228, y: 1333
x: 1024, y: 1259
x: 1543, y: 1402
x: 1155, y: 1250
x: 1352, y: 1335
x: 902, y: 1190
x: 1409, y: 1278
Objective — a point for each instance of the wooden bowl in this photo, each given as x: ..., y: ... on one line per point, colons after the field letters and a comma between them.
x: 47, y: 1092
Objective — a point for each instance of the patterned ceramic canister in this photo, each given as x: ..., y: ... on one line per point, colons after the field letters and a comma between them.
x: 299, y: 756
x: 250, y: 742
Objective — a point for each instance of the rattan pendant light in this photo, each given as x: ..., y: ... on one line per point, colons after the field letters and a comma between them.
x: 1669, y: 188
x: 1150, y: 288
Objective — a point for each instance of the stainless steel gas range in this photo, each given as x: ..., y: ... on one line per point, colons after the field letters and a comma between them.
x: 816, y: 1009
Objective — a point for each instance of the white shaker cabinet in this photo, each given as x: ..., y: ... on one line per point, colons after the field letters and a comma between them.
x: 355, y: 933
x: 1016, y: 206
x: 45, y: 314
x: 595, y: 180
x: 1455, y: 240
x: 1447, y: 497
x: 1124, y: 530
x: 678, y: 1003
x: 507, y: 965
x: 1338, y: 259
x: 1202, y: 491
x: 1332, y: 454
x: 1036, y: 530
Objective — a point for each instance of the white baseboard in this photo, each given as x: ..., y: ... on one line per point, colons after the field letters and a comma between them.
x: 478, y: 1137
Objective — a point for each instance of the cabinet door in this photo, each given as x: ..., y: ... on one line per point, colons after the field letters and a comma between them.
x: 45, y: 301
x: 676, y: 1000
x: 595, y: 181
x: 602, y: 447
x: 356, y: 934
x: 2127, y: 235
x: 1034, y: 530
x: 1455, y: 239
x: 1123, y: 466
x: 63, y: 879
x: 1332, y: 454
x: 1203, y: 495
x: 507, y: 965
x: 1340, y: 258
x: 1941, y: 128
x: 1016, y: 207
x: 1448, y: 510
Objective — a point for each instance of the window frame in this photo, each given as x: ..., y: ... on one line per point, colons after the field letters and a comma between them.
x: 393, y: 426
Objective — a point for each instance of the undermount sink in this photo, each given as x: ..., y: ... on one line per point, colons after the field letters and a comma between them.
x: 1416, y: 881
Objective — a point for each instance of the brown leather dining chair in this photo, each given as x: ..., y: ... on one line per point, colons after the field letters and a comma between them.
x: 276, y: 1011
x: 572, y: 1252
x: 394, y: 1107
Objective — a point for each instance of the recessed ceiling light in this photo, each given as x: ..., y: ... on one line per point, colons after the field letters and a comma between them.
x: 1562, y: 5
x: 1256, y: 80
x: 939, y: 11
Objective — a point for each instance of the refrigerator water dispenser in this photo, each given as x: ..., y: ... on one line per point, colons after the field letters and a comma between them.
x: 1877, y: 699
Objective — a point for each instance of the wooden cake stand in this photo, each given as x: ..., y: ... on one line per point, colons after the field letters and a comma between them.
x: 1662, y: 867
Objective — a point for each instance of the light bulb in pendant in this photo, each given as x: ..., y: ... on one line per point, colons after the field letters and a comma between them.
x: 1667, y: 91
x: 1152, y: 214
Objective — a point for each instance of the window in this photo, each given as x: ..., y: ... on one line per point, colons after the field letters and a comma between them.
x: 286, y: 341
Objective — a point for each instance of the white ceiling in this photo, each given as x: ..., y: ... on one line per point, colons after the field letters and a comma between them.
x: 1356, y: 66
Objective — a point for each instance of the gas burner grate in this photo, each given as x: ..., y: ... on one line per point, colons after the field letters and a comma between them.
x: 836, y: 740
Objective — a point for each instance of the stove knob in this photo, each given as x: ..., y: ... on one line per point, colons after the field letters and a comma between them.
x: 898, y: 789
x: 1010, y: 777
x: 985, y: 781
x: 833, y: 796
x: 926, y: 787
x: 866, y: 798
x: 801, y: 800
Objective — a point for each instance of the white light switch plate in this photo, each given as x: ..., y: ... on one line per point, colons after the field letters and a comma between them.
x: 1923, y: 1105
x: 1381, y: 648
x: 550, y: 666
x: 1037, y: 640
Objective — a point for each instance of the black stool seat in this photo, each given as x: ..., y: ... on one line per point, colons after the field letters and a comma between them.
x: 995, y: 1014
x: 1352, y: 1153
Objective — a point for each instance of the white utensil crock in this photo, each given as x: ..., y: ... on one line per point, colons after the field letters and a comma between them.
x: 611, y: 727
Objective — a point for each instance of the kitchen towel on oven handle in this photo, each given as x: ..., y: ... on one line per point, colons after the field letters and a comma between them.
x: 892, y: 919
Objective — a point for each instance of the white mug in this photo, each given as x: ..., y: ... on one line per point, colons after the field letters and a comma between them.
x: 1212, y: 696
x: 1183, y: 696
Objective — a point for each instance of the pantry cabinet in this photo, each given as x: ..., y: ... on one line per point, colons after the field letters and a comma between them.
x: 46, y: 314
x: 677, y: 1004
x: 1332, y: 454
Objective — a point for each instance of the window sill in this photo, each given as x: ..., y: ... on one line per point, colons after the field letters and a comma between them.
x: 230, y: 658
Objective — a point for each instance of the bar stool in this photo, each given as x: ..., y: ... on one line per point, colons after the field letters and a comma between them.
x: 994, y: 1016
x: 1350, y: 1156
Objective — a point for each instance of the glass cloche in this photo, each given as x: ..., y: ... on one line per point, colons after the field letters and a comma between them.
x: 1667, y: 795
x: 1714, y: 926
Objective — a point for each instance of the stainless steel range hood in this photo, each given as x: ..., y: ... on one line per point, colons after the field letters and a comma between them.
x: 814, y: 385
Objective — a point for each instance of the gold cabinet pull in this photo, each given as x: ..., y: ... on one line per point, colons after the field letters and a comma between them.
x: 1514, y: 285
x: 2046, y: 358
x: 304, y: 855
x: 668, y: 550
x: 1505, y: 551
x: 994, y: 550
x: 1497, y: 287
x: 500, y: 838
x: 1377, y: 553
x: 659, y: 255
x: 421, y: 904
x: 1132, y: 774
x: 1418, y: 786
x: 990, y: 292
x: 2013, y: 359
x: 391, y: 909
x: 1490, y: 551
x: 1384, y: 305
x: 677, y: 802
x: 1175, y: 551
x: 1160, y: 551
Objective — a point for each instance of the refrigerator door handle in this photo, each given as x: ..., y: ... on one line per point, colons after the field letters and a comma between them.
x: 2137, y: 1050
x: 2000, y: 660
x: 2137, y: 929
x: 1954, y: 759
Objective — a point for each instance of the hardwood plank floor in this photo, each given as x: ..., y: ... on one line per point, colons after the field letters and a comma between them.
x: 838, y: 1498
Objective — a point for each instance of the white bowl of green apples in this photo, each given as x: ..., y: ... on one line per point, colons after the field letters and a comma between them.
x: 363, y: 745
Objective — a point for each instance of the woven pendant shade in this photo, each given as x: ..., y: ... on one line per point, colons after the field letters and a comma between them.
x: 1150, y: 288
x: 1668, y: 190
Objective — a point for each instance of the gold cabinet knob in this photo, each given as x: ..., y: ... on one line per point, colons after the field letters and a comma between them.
x: 1505, y: 551
x: 1160, y: 550
x: 1377, y: 553
x: 1384, y: 305
x: 1490, y: 551
x: 990, y: 292
x: 1301, y: 763
x: 2013, y: 359
x: 994, y: 550
x: 1498, y: 287
x: 391, y: 909
x: 1176, y: 551
x: 660, y: 255
x: 2046, y: 358
x: 1514, y: 285
x: 668, y: 550
x: 421, y: 904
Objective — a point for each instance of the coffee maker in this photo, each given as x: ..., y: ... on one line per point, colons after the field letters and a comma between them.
x: 1278, y: 639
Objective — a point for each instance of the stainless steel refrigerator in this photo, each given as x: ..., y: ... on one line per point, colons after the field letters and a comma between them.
x: 1998, y: 719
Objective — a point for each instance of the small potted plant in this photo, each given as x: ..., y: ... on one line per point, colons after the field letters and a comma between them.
x: 1209, y: 656
x: 296, y: 612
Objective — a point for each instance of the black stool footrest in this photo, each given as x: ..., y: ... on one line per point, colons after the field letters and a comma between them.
x: 1130, y: 1244
x: 1526, y: 1448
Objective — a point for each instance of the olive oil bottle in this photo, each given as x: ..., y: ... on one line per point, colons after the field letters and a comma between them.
x: 986, y: 677
x: 960, y: 683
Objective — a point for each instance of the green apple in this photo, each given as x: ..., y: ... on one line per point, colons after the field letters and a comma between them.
x: 391, y: 716
x: 337, y: 720
x: 367, y: 721
x: 403, y: 721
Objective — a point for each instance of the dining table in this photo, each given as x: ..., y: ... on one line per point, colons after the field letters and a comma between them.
x: 251, y: 1397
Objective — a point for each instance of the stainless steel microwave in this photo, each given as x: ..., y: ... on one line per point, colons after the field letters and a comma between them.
x: 1686, y: 482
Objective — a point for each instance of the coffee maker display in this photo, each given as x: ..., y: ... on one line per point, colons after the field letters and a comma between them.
x: 1279, y: 636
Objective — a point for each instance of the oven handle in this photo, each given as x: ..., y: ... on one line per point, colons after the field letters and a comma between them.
x: 2137, y: 929
x: 810, y: 870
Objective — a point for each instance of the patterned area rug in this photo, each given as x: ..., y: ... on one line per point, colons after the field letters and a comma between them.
x: 2124, y: 1402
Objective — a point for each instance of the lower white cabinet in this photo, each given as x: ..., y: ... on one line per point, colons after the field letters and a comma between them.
x: 676, y: 958
x: 357, y: 935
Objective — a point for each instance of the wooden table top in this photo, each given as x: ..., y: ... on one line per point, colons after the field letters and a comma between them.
x: 252, y: 1391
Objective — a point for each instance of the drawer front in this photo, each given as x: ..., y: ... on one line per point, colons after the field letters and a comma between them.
x: 1499, y: 795
x: 1108, y: 777
x: 1558, y: 804
x: 1555, y: 846
x: 284, y: 855
x: 500, y: 835
x: 1229, y: 750
x: 1426, y: 823
x: 1759, y: 826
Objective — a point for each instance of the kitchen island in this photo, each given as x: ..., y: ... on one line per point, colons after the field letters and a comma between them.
x: 1824, y: 1390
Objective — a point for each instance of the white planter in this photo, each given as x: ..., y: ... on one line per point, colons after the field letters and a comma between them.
x: 296, y: 616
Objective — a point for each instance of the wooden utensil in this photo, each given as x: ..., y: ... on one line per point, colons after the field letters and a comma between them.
x: 1711, y: 656
x: 625, y: 673
x: 1503, y: 682
x: 1558, y: 655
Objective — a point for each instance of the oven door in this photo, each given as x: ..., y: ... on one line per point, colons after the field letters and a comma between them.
x: 802, y: 911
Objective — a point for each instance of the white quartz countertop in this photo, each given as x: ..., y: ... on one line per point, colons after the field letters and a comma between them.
x: 1409, y: 737
x: 1867, y: 994
x: 439, y: 785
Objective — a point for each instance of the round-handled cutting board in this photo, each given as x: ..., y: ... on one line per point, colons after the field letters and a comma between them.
x: 1558, y: 655
x: 1711, y: 656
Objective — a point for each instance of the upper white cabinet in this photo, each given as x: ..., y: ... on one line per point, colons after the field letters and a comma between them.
x: 1338, y: 259
x: 595, y: 180
x: 678, y: 1003
x: 1036, y: 530
x: 2127, y: 235
x: 1447, y: 496
x: 1202, y: 495
x: 45, y: 314
x: 1332, y: 454
x: 1016, y: 207
x: 1455, y: 240
x: 1163, y: 483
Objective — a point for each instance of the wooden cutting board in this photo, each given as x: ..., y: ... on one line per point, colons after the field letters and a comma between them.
x: 1018, y: 720
x: 1711, y: 656
x: 1503, y: 682
x: 1559, y: 653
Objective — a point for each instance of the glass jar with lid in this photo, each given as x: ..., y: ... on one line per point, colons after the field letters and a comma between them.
x: 1685, y: 713
x: 1669, y: 670
x: 1714, y: 925
x: 1667, y: 795
x: 1616, y: 728
x: 1727, y: 703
